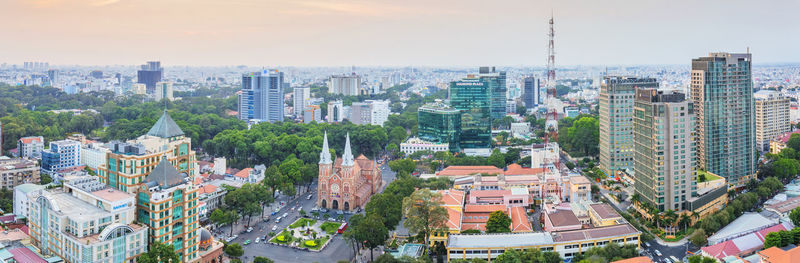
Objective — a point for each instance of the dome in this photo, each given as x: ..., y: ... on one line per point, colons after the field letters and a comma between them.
x: 205, y: 236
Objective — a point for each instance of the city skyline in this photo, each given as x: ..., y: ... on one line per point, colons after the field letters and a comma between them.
x: 383, y: 33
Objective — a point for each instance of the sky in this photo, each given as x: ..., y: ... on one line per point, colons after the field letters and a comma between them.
x: 393, y: 32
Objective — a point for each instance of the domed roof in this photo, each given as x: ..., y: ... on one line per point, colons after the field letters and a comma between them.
x: 205, y: 235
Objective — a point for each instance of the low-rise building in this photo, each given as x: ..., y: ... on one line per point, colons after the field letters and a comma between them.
x: 784, y: 208
x: 779, y: 255
x: 61, y: 155
x: 779, y: 143
x: 561, y: 220
x: 17, y: 171
x: 30, y: 147
x: 86, y: 221
x: 742, y: 245
x: 93, y: 155
x: 603, y: 214
x: 565, y: 243
x: 506, y: 197
x: 414, y: 144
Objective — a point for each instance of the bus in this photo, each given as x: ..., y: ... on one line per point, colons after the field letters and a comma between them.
x: 342, y: 228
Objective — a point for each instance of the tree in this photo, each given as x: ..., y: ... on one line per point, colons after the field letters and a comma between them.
x: 698, y: 237
x: 218, y: 217
x: 499, y: 222
x: 262, y: 260
x: 233, y: 250
x: 158, y: 253
x: 424, y: 212
x: 232, y: 217
x: 45, y: 179
x: 371, y: 232
x: 386, y: 258
x: 388, y: 207
x: 701, y: 259
x: 795, y: 216
x: 786, y: 168
x: 772, y: 240
x: 794, y: 142
x: 497, y: 159
x: 402, y: 165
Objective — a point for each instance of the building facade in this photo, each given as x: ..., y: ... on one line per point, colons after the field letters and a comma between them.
x: 127, y: 164
x: 531, y: 92
x: 30, y: 147
x: 722, y: 92
x: 348, y: 85
x: 616, y: 121
x: 312, y: 113
x: 302, y: 95
x: 498, y: 87
x: 150, y: 74
x: 336, y: 111
x: 373, y: 112
x: 18, y: 171
x: 21, y: 202
x: 168, y: 204
x: 346, y: 183
x: 772, y: 117
x: 413, y: 145
x: 62, y: 154
x: 86, y: 222
x: 440, y: 123
x: 664, y: 152
x: 262, y: 97
x: 472, y: 96
x: 163, y: 91
x: 93, y: 155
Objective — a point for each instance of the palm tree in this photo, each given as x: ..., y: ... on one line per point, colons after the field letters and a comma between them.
x: 684, y: 220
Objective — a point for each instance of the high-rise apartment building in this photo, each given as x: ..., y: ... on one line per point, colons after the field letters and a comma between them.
x: 665, y: 154
x: 168, y: 203
x: 30, y: 147
x: 163, y: 91
x: 348, y: 85
x: 261, y: 99
x: 472, y: 96
x: 86, y: 222
x: 53, y: 75
x: 772, y: 117
x: 61, y: 155
x: 497, y: 82
x: 312, y: 113
x: 440, y: 123
x: 128, y: 163
x: 722, y: 92
x: 17, y: 171
x: 531, y: 92
x: 374, y: 112
x: 616, y: 121
x: 302, y: 95
x: 335, y: 111
x: 150, y: 74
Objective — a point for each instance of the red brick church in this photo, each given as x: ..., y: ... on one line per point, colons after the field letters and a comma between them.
x: 346, y: 183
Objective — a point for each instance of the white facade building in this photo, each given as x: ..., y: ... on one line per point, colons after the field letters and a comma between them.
x: 374, y: 112
x: 93, y: 155
x: 772, y: 116
x: 302, y: 97
x: 336, y: 111
x: 30, y: 147
x: 414, y: 144
x: 163, y: 91
x: 21, y: 202
x: 348, y: 85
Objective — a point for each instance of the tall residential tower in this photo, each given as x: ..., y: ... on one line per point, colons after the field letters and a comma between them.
x: 772, y: 117
x: 261, y: 99
x: 722, y: 91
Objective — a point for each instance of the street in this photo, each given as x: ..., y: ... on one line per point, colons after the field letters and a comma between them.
x: 336, y: 250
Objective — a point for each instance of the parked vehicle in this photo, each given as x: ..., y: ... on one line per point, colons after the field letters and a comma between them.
x: 249, y: 229
x: 275, y: 227
x: 258, y: 239
x: 285, y: 215
x: 247, y: 242
x: 658, y: 253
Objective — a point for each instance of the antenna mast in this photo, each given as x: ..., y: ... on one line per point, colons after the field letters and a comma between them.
x: 552, y: 111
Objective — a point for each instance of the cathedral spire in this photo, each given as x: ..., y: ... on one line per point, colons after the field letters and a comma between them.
x: 325, y: 154
x: 347, y: 157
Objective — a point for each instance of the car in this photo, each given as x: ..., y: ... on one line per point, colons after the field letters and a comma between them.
x: 324, y: 210
x: 266, y: 219
x: 278, y: 220
x: 285, y: 215
x: 309, y: 197
x: 658, y: 253
x: 258, y: 239
x: 292, y: 208
x: 249, y: 229
x: 247, y: 242
x: 274, y: 212
x: 275, y: 227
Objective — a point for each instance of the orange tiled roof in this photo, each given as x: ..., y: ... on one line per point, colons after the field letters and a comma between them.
x: 244, y: 173
x: 452, y: 197
x: 641, y: 259
x: 516, y: 169
x: 27, y: 140
x: 458, y: 170
x: 519, y: 220
x: 777, y: 255
x: 209, y: 188
x: 453, y: 219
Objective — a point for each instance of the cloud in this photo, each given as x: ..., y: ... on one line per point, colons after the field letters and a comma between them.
x: 104, y: 2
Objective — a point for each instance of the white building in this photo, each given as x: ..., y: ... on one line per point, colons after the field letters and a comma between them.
x: 93, y: 155
x: 520, y: 129
x: 30, y: 147
x: 163, y: 90
x: 21, y: 203
x: 336, y: 111
x: 772, y: 116
x: 374, y: 112
x: 302, y: 95
x: 220, y: 165
x: 348, y: 85
x: 86, y: 221
x: 414, y: 144
x: 545, y: 156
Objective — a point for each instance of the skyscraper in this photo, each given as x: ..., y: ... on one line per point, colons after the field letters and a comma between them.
x: 772, y: 117
x: 374, y: 112
x: 497, y: 82
x: 163, y: 91
x: 335, y: 111
x: 441, y: 124
x: 262, y: 96
x: 616, y: 121
x: 472, y: 96
x: 348, y: 85
x: 52, y: 74
x: 722, y: 90
x: 150, y: 74
x: 301, y: 97
x: 664, y: 155
x: 531, y: 92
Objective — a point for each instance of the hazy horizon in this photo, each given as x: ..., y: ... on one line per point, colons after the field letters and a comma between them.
x: 448, y: 33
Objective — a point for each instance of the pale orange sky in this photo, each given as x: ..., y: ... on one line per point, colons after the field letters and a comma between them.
x: 392, y: 33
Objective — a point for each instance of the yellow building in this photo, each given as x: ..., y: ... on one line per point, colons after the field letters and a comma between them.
x: 128, y: 163
x: 602, y: 214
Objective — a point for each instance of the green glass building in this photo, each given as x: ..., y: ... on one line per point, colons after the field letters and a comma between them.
x: 437, y: 122
x: 722, y: 90
x: 472, y: 96
x: 497, y: 83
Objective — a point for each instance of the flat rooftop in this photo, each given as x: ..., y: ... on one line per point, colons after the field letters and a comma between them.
x: 74, y: 207
x: 499, y: 240
x: 594, y: 233
x: 605, y: 211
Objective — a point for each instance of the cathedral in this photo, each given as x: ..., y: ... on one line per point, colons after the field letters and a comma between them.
x: 346, y: 183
